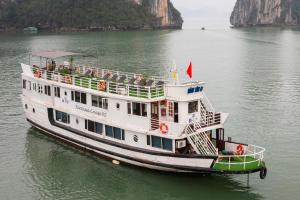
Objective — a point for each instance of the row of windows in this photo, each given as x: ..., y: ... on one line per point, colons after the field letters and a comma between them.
x: 62, y: 117
x: 159, y: 142
x: 94, y: 126
x: 79, y: 97
x: 110, y: 131
x: 139, y: 109
x: 47, y: 90
x: 99, y: 102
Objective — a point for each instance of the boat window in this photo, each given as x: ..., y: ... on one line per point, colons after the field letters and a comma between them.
x: 144, y: 110
x: 156, y: 141
x: 129, y: 108
x: 99, y: 128
x: 62, y: 117
x: 91, y: 126
x: 47, y: 90
x: 117, y: 133
x: 114, y: 132
x: 167, y: 144
x: 79, y: 97
x: 109, y: 131
x: 139, y: 109
x: 29, y: 84
x: 100, y: 102
x: 34, y: 86
x: 40, y: 88
x: 83, y: 98
x: 193, y: 106
x: 94, y: 126
x: 57, y: 91
x: 24, y: 84
x: 159, y: 142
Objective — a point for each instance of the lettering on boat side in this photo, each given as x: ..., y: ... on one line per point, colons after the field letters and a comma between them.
x: 192, y: 90
x: 90, y: 110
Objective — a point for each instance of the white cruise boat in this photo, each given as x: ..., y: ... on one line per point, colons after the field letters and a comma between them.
x: 133, y: 119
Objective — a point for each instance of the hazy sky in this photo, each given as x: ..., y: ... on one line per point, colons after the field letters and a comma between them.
x: 208, y: 13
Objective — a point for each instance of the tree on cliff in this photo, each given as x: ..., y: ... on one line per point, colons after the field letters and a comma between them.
x: 81, y: 14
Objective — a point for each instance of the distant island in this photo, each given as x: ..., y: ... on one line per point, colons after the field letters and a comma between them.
x: 248, y: 13
x: 90, y: 15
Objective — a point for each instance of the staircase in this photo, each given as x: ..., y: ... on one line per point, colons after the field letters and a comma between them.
x: 207, y: 113
x: 199, y: 140
x: 154, y: 123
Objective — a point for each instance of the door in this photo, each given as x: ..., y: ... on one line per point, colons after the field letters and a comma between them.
x: 220, y: 139
x: 154, y: 116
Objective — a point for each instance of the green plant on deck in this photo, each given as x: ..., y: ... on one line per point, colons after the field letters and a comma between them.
x: 64, y: 71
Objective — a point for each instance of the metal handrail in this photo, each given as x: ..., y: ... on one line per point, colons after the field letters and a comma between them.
x: 257, y: 154
x: 125, y: 89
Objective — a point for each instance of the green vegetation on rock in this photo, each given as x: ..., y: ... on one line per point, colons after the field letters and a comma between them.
x: 77, y: 14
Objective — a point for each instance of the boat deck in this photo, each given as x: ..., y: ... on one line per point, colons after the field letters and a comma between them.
x: 247, y: 163
x: 113, y: 82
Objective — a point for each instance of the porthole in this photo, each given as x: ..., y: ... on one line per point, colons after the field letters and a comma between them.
x: 26, y: 106
x: 135, y: 138
x: 65, y: 93
x: 77, y: 121
x: 33, y: 110
x: 118, y: 106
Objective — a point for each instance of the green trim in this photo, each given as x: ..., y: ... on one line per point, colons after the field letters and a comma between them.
x: 237, y: 164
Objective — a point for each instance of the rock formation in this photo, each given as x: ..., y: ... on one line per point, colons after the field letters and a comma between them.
x: 265, y: 12
x: 168, y: 16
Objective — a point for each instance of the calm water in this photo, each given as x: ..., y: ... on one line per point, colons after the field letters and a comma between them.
x: 252, y: 74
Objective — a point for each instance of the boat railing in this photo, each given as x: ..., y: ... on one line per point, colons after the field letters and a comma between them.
x: 99, y: 84
x: 253, y: 155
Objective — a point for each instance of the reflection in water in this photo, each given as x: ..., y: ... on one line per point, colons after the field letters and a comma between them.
x: 57, y: 171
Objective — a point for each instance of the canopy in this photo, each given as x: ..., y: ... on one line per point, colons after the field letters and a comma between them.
x: 54, y: 54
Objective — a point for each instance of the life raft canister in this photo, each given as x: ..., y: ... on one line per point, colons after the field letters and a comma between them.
x: 102, y: 85
x: 163, y: 128
x: 240, y: 149
x: 37, y: 73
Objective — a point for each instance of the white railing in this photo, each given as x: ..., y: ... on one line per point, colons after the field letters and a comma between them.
x: 125, y: 89
x: 207, y: 103
x: 255, y: 153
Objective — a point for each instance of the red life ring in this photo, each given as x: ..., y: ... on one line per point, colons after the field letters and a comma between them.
x: 37, y: 73
x: 240, y: 150
x: 102, y: 85
x: 163, y: 128
x: 68, y: 80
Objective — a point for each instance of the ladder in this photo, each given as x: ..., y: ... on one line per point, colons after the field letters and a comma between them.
x: 200, y: 141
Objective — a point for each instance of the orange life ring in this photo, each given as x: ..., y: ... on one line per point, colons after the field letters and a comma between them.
x: 37, y: 73
x: 102, y: 85
x: 240, y: 149
x: 163, y: 128
x: 68, y: 79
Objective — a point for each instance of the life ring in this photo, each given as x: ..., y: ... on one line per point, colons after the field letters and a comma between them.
x: 68, y: 79
x: 240, y: 150
x: 163, y: 128
x: 37, y: 73
x: 102, y: 85
x: 263, y: 173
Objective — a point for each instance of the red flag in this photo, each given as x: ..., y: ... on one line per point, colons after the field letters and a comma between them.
x: 189, y: 70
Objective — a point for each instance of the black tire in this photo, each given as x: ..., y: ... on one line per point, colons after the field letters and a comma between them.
x: 263, y: 173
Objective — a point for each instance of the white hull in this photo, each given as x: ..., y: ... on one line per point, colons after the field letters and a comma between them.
x: 39, y: 120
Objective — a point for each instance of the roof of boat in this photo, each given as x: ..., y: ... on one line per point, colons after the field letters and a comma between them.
x: 54, y: 54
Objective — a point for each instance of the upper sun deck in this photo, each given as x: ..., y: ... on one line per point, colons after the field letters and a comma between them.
x: 109, y: 81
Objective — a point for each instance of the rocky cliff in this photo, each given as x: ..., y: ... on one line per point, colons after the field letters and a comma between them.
x: 265, y: 12
x: 72, y: 15
x: 168, y: 16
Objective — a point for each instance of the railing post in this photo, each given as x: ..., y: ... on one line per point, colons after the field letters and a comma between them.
x: 244, y: 162
x: 229, y: 162
x: 149, y: 93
